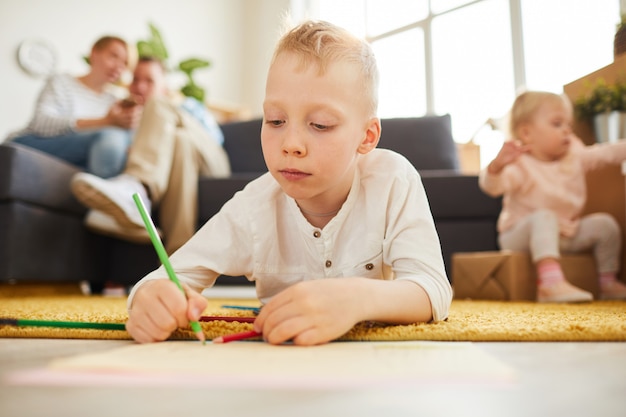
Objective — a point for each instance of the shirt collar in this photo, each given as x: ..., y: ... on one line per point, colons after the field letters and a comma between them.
x: 339, y: 218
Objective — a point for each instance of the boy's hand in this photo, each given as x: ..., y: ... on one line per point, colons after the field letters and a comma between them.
x: 510, y: 151
x: 159, y: 308
x: 310, y: 312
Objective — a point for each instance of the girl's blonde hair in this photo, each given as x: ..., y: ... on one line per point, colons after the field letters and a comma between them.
x: 526, y: 105
x: 322, y: 43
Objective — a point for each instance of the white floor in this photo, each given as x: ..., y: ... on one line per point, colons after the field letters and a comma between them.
x: 230, y: 291
x: 552, y: 379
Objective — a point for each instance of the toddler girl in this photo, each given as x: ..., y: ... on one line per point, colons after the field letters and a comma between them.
x: 540, y: 173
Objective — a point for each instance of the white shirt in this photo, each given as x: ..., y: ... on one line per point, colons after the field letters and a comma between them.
x: 384, y: 230
x: 63, y: 100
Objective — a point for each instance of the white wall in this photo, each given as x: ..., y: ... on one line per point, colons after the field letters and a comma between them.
x: 237, y: 36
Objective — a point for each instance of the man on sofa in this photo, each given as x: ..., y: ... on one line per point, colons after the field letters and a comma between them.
x: 174, y: 144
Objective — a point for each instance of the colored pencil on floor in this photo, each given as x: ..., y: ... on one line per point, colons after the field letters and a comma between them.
x: 61, y: 324
x: 235, y: 307
x: 228, y: 319
x: 236, y: 336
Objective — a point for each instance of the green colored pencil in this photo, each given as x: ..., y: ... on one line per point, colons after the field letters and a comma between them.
x: 63, y: 324
x: 158, y: 246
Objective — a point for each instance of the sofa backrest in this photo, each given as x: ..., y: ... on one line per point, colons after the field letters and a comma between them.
x: 242, y: 143
x: 425, y: 141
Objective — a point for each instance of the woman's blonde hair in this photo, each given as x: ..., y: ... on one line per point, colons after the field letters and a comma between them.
x: 322, y: 43
x: 526, y: 105
x: 105, y: 41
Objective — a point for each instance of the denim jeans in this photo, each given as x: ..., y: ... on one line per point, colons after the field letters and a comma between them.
x: 100, y: 152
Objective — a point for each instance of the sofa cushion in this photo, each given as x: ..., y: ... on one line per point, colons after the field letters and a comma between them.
x: 40, y: 244
x: 34, y: 177
x: 425, y: 141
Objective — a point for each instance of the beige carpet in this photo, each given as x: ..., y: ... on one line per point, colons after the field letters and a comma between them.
x: 468, y: 321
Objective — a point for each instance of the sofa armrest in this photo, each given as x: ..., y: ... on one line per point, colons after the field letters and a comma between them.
x: 34, y: 177
x: 464, y: 216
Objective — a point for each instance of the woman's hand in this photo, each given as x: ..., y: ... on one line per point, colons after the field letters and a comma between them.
x: 124, y: 115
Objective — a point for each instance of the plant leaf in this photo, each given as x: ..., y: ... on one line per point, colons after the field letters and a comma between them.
x: 189, y: 65
x: 192, y: 90
x: 158, y: 45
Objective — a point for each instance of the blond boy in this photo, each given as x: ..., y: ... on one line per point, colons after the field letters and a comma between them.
x: 336, y: 233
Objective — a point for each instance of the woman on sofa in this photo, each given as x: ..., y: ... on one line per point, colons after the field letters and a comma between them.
x: 79, y: 120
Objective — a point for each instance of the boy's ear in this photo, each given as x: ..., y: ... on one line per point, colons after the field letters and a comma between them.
x: 372, y: 135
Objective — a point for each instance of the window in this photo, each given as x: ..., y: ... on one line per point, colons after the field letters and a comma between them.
x: 401, y: 91
x: 469, y: 57
x: 472, y: 65
x: 581, y: 43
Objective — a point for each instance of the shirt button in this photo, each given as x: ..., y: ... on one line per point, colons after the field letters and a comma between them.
x: 328, y: 264
x: 317, y: 233
x: 369, y: 267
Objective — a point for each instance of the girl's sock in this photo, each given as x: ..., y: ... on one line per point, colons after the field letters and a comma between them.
x: 607, y: 279
x: 611, y: 288
x: 550, y: 273
x: 552, y: 287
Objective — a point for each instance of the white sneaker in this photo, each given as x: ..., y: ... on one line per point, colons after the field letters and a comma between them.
x: 113, y: 196
x: 562, y: 292
x: 101, y: 223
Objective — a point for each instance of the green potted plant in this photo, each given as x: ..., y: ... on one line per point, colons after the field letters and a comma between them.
x: 605, y: 108
x: 191, y: 89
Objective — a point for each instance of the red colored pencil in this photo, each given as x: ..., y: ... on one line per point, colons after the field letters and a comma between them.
x: 236, y: 336
x: 228, y: 318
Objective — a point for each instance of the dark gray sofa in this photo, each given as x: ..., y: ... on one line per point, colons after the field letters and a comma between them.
x: 42, y: 237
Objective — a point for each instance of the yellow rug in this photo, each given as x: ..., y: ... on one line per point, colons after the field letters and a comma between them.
x: 468, y: 321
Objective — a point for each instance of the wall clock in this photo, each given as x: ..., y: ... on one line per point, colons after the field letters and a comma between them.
x: 37, y: 58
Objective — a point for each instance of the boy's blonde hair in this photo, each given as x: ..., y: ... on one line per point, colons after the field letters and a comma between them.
x: 526, y: 105
x: 322, y: 43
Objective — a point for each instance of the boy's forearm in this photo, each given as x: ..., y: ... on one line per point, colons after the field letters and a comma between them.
x: 397, y: 302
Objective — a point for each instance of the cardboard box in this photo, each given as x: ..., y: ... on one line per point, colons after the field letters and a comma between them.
x: 508, y: 275
x: 469, y: 157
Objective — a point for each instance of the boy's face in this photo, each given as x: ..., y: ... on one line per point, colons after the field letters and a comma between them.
x: 314, y: 127
x: 549, y: 134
